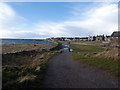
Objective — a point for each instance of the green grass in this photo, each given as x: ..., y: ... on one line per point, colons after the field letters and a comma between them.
x: 65, y: 41
x: 86, y: 54
x: 81, y: 41
x: 86, y: 49
x: 58, y: 47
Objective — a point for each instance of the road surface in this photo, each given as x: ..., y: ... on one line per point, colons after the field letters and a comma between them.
x: 64, y: 72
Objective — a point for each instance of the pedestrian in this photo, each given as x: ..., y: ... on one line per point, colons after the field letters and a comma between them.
x: 69, y: 49
x: 68, y: 42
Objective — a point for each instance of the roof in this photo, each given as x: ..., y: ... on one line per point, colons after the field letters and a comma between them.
x: 108, y: 36
x: 84, y: 38
x: 100, y: 36
x: 116, y: 34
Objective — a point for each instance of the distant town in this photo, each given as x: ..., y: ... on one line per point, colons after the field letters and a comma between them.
x: 112, y: 39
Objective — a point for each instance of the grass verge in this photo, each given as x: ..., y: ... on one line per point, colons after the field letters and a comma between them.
x: 86, y: 54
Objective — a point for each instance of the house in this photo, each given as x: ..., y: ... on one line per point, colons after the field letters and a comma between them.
x: 71, y: 39
x: 91, y: 38
x: 115, y: 34
x: 66, y: 39
x: 100, y: 38
x: 84, y: 38
x: 77, y: 38
x: 115, y: 41
x: 107, y: 38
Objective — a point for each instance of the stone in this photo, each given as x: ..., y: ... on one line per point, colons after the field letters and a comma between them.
x: 42, y: 56
x: 44, y: 50
x: 37, y: 68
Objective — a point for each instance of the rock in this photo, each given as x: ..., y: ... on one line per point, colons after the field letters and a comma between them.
x: 41, y: 61
x: 37, y: 68
x: 52, y: 53
x: 87, y: 55
x: 107, y: 49
x: 48, y: 54
x: 44, y: 50
x: 31, y: 56
x: 94, y: 53
x: 42, y: 56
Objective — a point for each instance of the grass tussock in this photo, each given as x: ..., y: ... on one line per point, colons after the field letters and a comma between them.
x: 109, y: 54
x: 88, y: 54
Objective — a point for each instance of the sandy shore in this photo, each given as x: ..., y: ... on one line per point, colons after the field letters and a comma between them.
x: 13, y: 48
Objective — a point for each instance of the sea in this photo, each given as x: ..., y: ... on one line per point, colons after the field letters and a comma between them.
x: 23, y: 41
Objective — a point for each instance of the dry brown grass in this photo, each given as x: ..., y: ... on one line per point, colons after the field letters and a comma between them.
x: 37, y: 68
x: 25, y: 47
x: 26, y: 78
x: 109, y: 53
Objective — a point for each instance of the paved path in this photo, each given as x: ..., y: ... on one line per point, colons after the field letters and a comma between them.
x: 63, y: 72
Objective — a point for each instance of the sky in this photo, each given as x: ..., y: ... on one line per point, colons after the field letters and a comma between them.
x: 40, y: 20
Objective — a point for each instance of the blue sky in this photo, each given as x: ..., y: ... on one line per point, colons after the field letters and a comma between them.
x: 42, y: 11
x: 50, y: 19
x: 47, y: 11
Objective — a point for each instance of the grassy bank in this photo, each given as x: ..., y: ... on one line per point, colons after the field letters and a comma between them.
x: 14, y: 48
x: 26, y: 69
x: 87, y: 54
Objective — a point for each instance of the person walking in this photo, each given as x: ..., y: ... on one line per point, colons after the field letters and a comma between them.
x: 69, y: 49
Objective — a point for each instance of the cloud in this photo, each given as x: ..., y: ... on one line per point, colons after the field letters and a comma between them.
x: 9, y: 21
x: 103, y: 20
x: 93, y: 21
x: 6, y: 15
x: 100, y: 20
